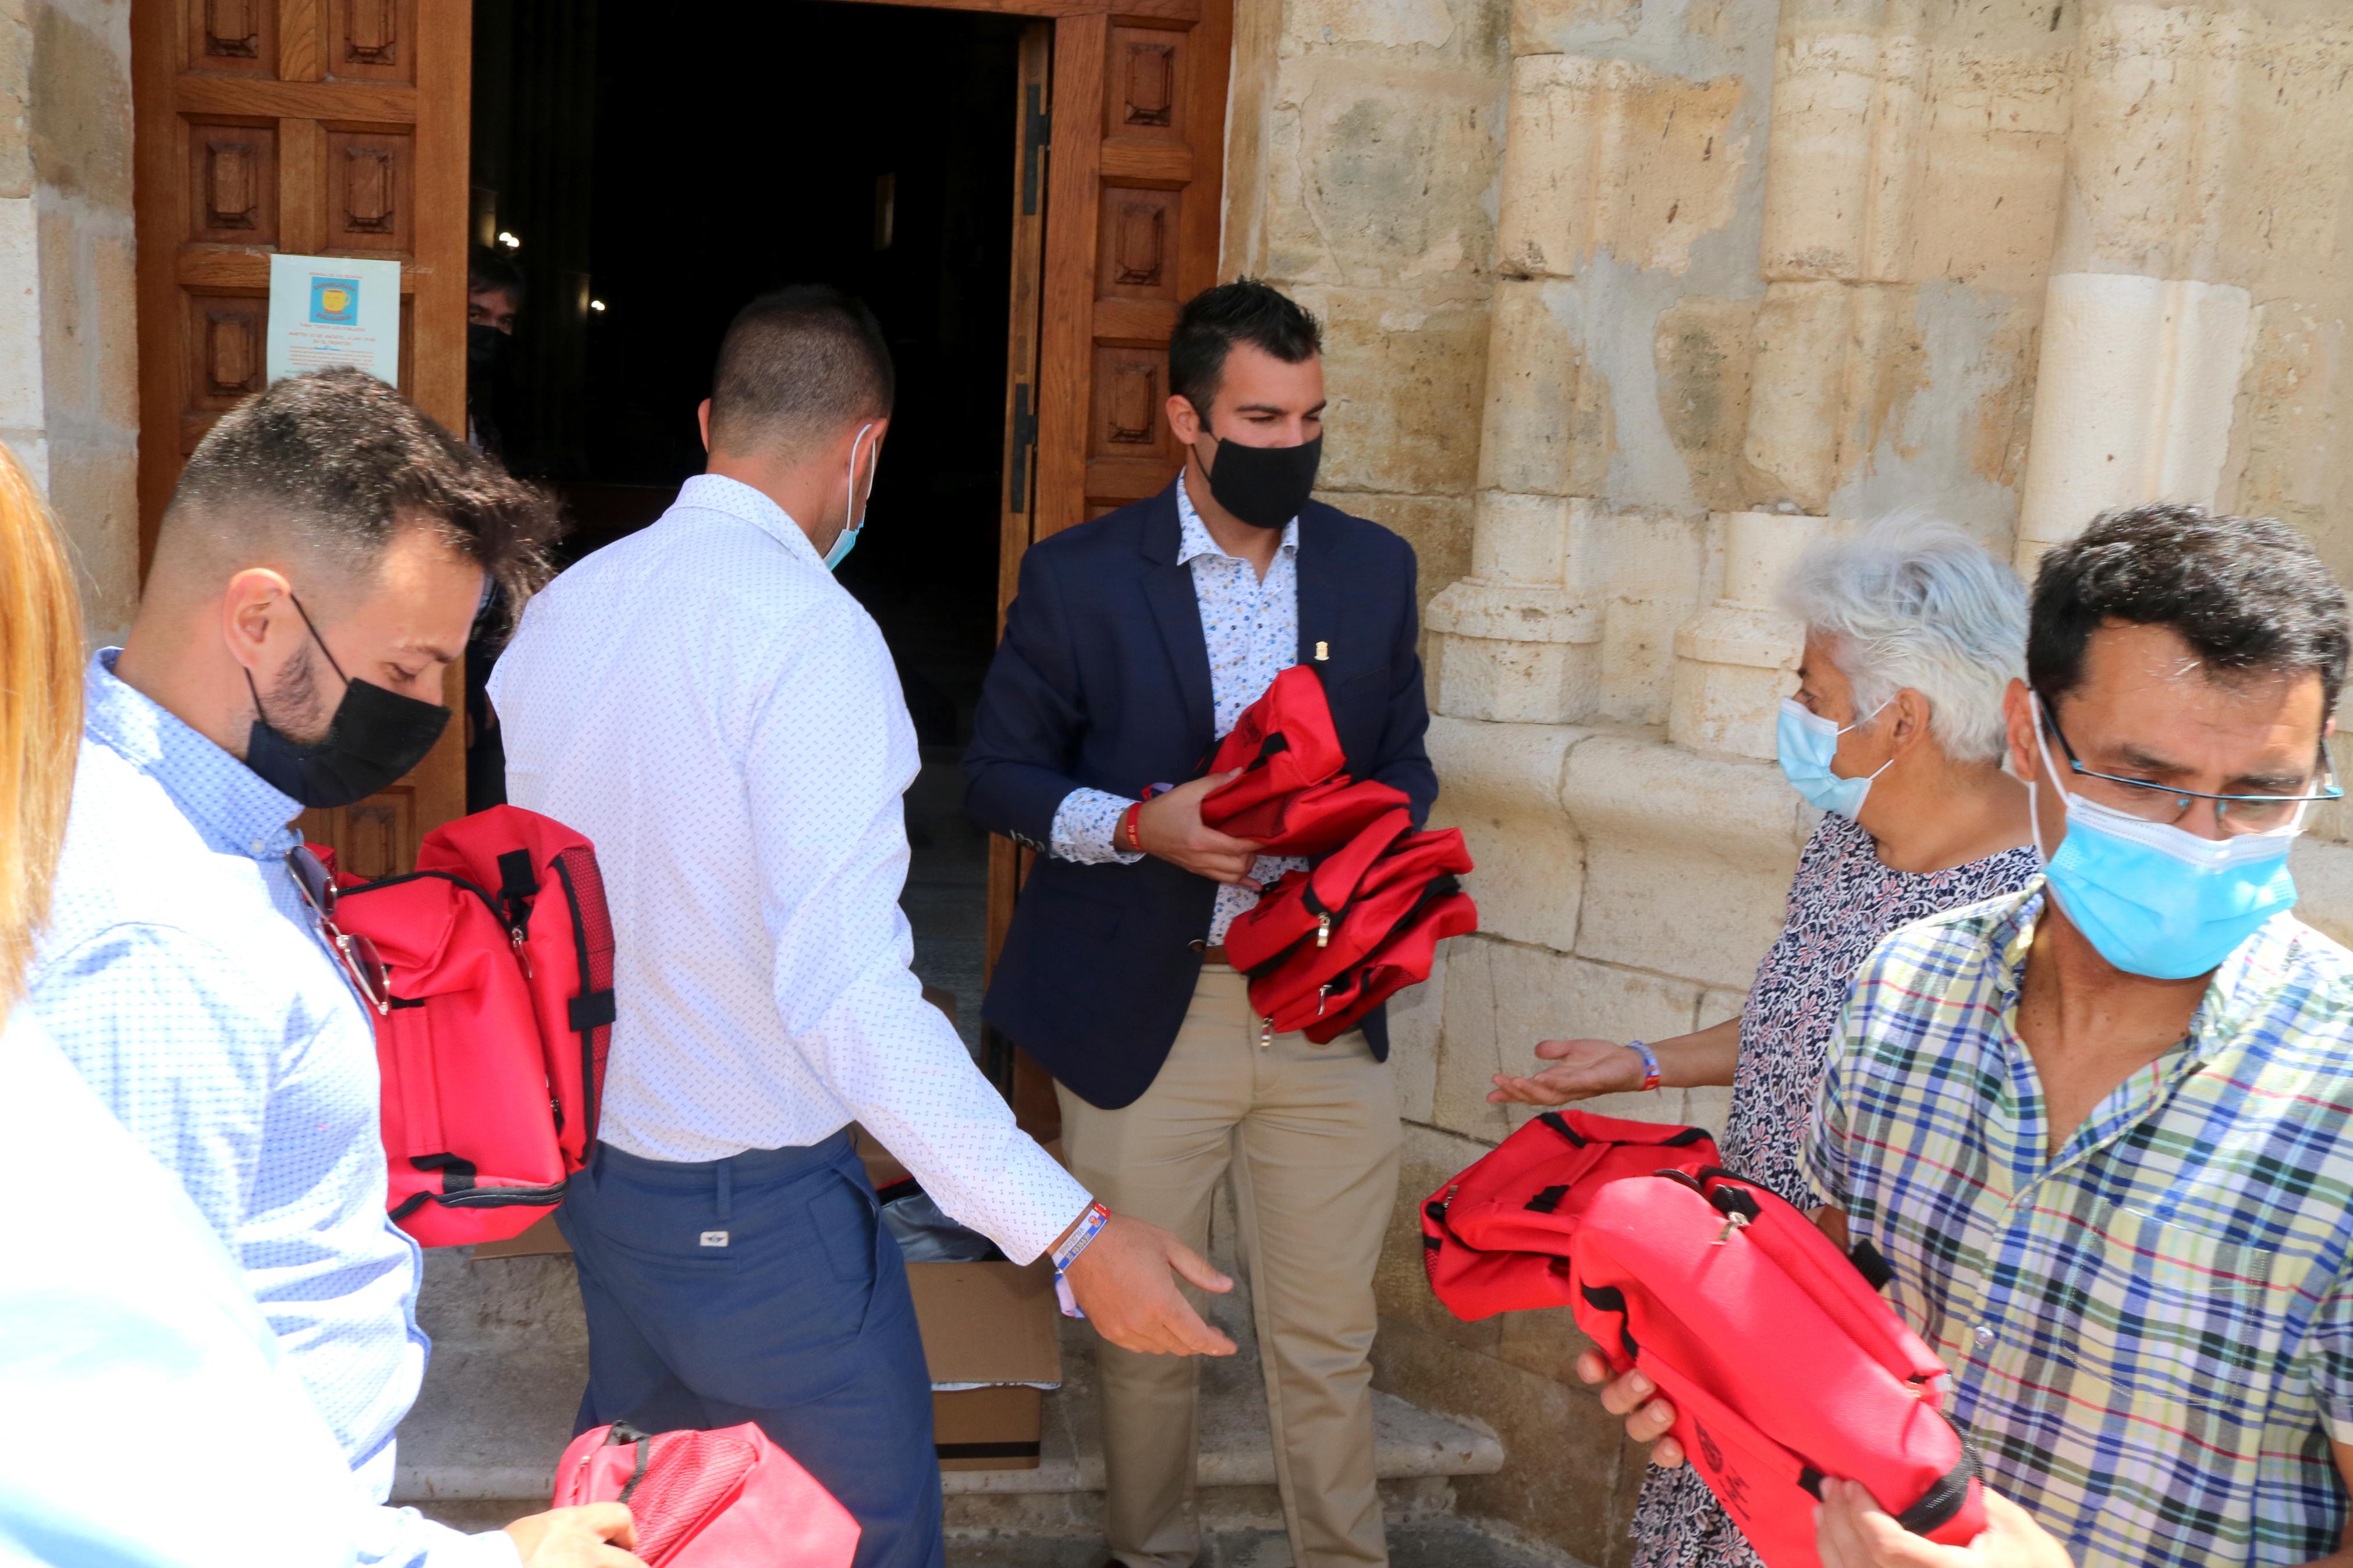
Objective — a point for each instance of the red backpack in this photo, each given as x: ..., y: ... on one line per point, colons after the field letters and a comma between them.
x: 1283, y: 743
x: 1782, y: 1363
x: 728, y: 1498
x: 500, y: 953
x: 1495, y: 1237
x: 1320, y: 818
x: 1317, y: 934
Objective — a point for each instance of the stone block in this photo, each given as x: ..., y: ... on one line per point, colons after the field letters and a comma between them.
x: 1403, y: 379
x: 21, y: 400
x: 1705, y: 347
x: 1658, y: 562
x: 93, y: 488
x: 1459, y: 32
x: 1795, y: 412
x: 81, y: 115
x: 2134, y: 400
x: 1568, y: 1458
x: 1510, y: 682
x: 1504, y: 997
x: 1611, y: 154
x: 1437, y: 527
x: 1416, y: 1017
x: 1501, y: 784
x: 1735, y: 659
x: 67, y: 364
x: 1427, y: 1159
x: 1380, y: 174
x: 2323, y: 885
x: 16, y: 103
x: 1688, y: 858
x: 1545, y: 430
x: 111, y: 300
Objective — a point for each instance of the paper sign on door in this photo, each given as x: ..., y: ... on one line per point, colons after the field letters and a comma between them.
x: 333, y: 310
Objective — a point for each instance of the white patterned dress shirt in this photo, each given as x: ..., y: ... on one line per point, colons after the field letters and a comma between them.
x: 182, y: 975
x: 722, y: 720
x: 1251, y: 627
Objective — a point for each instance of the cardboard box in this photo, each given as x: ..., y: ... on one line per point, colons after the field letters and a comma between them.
x: 989, y: 1335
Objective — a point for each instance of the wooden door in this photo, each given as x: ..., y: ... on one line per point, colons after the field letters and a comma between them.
x: 317, y: 127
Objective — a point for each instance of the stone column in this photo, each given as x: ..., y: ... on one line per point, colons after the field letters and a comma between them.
x: 2144, y: 343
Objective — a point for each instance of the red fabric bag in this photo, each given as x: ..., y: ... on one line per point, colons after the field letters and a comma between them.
x: 1309, y: 934
x: 727, y: 1498
x: 1782, y: 1363
x: 1444, y: 910
x: 1495, y: 1237
x: 500, y: 953
x: 1283, y: 743
x: 1321, y: 817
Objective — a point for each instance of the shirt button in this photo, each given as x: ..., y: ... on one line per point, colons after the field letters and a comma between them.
x: 260, y: 847
x: 1983, y: 1334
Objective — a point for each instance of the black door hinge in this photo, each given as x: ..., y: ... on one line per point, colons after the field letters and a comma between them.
x: 1037, y: 130
x: 1025, y: 436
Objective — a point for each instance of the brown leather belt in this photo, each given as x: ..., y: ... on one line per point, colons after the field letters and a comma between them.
x: 1212, y: 954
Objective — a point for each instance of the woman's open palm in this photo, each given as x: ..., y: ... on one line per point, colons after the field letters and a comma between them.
x: 1580, y: 1070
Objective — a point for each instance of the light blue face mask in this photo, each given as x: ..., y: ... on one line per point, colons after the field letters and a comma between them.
x: 2154, y: 898
x: 848, y: 542
x: 1806, y: 743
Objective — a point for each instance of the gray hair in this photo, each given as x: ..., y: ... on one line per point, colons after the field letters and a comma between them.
x: 1914, y: 602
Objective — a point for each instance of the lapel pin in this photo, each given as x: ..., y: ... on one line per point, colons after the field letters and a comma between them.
x: 1323, y: 652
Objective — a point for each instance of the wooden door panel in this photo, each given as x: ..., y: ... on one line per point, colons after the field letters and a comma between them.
x: 318, y: 128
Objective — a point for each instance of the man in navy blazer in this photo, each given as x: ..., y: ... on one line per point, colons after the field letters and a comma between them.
x: 1135, y: 642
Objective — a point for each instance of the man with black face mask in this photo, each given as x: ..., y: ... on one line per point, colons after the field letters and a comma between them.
x: 1137, y: 641
x: 315, y: 574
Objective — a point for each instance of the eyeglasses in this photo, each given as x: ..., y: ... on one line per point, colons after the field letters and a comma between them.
x: 358, y: 954
x: 2234, y: 814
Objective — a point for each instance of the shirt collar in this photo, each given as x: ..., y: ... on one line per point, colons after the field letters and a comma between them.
x: 2256, y: 972
x: 229, y: 803
x: 733, y: 498
x: 1193, y: 535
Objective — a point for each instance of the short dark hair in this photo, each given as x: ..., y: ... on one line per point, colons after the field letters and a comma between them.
x: 1242, y: 311
x: 489, y: 272
x: 795, y: 366
x: 2247, y: 593
x: 339, y: 461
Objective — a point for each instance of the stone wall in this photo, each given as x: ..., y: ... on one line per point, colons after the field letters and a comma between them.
x: 69, y: 360
x: 1739, y: 275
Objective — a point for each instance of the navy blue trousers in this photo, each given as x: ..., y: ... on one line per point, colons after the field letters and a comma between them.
x: 763, y: 1288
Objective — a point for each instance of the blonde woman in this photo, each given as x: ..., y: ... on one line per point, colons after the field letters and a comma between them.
x: 148, y: 1421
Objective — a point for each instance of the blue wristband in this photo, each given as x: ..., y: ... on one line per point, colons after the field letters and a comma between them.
x: 1649, y: 1063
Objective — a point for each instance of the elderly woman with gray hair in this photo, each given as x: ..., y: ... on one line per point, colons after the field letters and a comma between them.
x: 1913, y: 632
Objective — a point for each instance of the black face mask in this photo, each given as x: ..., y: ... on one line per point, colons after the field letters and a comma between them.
x: 1264, y: 485
x: 375, y: 737
x: 487, y: 349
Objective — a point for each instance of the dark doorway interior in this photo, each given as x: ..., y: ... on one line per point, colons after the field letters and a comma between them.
x: 655, y: 179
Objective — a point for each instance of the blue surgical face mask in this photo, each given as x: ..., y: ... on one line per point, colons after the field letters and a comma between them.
x: 848, y: 542
x: 2154, y: 898
x: 1808, y: 742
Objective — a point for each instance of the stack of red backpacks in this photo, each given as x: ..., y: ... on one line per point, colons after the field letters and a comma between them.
x: 1325, y: 946
x: 1783, y: 1364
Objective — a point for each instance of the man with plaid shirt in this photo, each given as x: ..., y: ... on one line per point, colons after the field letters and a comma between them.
x: 2103, y: 1129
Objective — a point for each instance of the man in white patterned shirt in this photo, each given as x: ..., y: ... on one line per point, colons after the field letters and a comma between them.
x: 709, y: 706
x: 1137, y: 641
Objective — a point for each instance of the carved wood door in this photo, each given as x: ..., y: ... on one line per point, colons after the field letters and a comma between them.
x: 314, y: 127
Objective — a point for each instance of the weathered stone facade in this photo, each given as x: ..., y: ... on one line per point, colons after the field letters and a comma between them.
x: 68, y: 362
x: 1757, y: 271
x: 1627, y: 301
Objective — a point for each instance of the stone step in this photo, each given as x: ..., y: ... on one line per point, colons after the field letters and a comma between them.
x: 510, y: 1361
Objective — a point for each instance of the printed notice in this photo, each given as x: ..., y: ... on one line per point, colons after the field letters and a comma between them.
x: 334, y: 309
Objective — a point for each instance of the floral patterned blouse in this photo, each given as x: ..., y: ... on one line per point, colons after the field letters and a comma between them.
x: 1843, y: 901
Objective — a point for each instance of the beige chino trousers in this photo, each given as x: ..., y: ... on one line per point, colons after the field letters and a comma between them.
x: 1309, y: 1135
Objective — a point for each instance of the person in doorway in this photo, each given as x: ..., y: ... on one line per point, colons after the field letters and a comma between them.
x: 705, y: 702
x: 1137, y: 641
x: 2102, y: 1129
x: 314, y: 574
x: 1913, y: 634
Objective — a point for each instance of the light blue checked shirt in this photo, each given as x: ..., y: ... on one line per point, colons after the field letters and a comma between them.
x: 182, y: 975
x: 1251, y: 626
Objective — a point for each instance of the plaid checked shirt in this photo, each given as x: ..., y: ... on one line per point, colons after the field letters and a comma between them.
x: 2152, y: 1331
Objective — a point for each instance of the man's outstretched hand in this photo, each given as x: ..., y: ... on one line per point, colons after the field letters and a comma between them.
x: 1850, y: 1531
x: 1171, y: 828
x: 1122, y: 1283
x: 594, y: 1535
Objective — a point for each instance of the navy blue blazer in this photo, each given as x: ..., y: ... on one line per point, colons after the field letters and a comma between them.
x: 1102, y: 680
